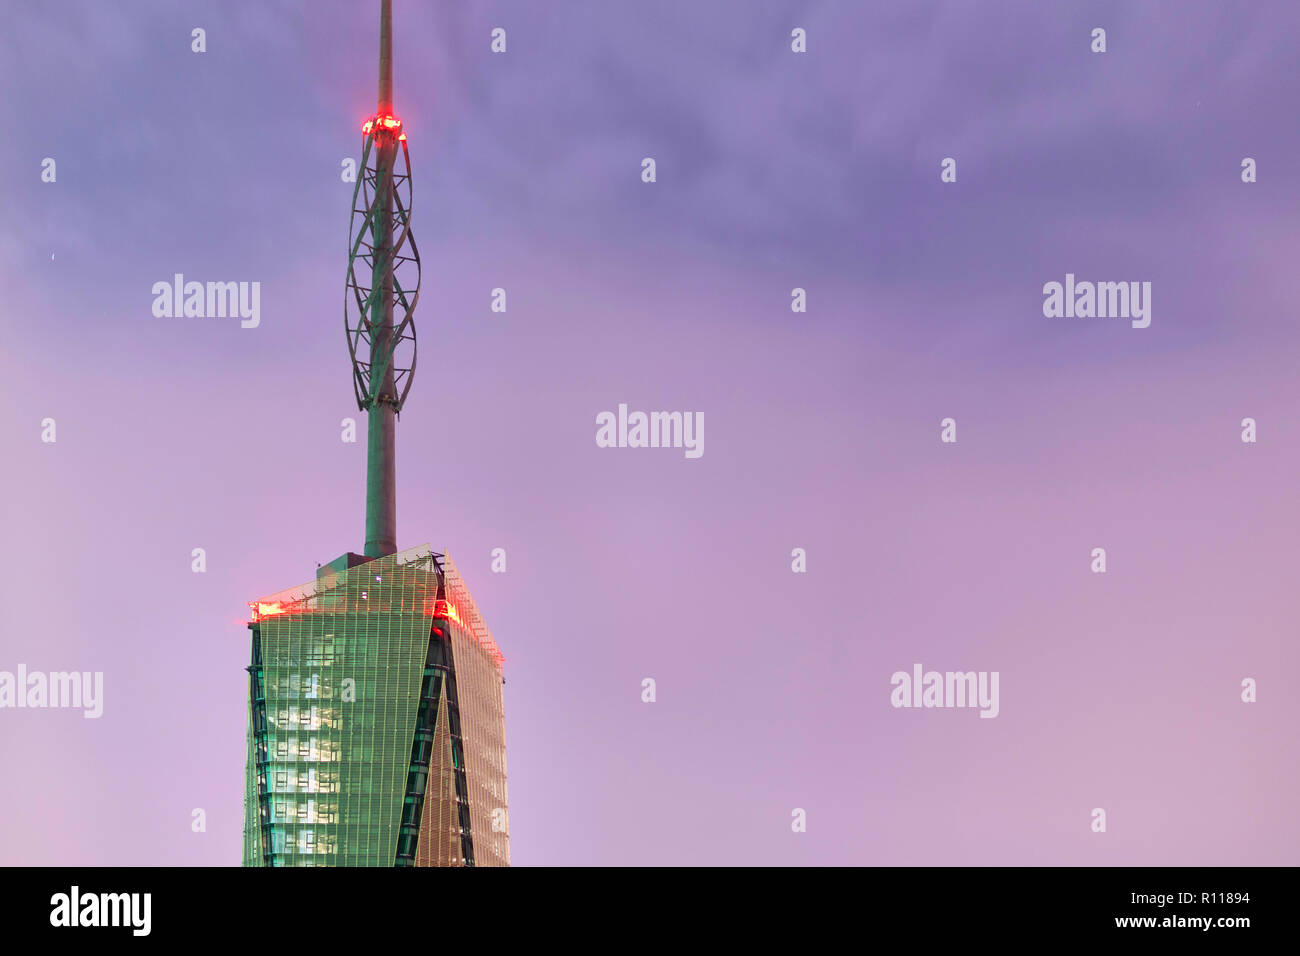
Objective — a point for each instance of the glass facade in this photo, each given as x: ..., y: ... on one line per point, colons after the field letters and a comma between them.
x: 482, y: 716
x: 376, y: 723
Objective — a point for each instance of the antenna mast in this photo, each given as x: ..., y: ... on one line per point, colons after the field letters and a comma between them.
x: 379, y: 315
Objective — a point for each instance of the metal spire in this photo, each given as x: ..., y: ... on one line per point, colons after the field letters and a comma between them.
x: 379, y: 316
x: 386, y: 57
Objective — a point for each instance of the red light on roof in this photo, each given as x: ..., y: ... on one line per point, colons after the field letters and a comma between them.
x: 448, y: 611
x: 263, y: 609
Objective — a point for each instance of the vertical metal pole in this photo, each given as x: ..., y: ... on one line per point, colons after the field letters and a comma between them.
x: 386, y: 57
x: 381, y: 450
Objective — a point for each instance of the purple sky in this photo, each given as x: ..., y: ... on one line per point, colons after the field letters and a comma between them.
x: 775, y: 170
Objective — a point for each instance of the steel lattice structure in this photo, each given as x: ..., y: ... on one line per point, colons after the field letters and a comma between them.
x: 368, y: 307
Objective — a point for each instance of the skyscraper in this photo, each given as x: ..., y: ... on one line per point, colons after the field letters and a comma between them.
x: 376, y: 720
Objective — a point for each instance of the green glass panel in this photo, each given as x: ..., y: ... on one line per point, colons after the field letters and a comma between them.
x: 342, y: 674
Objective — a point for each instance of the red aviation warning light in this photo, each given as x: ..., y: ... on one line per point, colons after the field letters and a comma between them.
x: 382, y: 122
x: 445, y: 610
x: 263, y: 609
